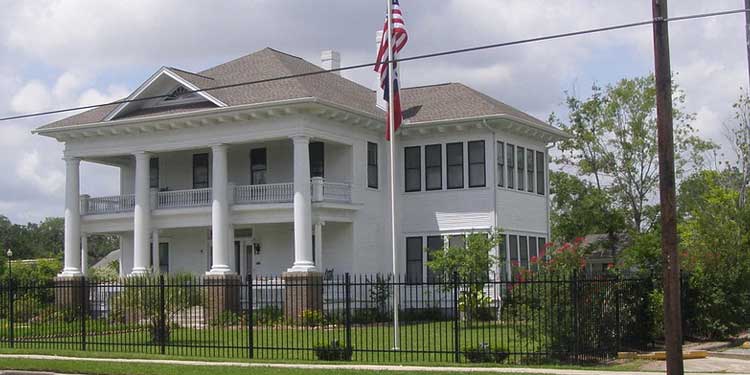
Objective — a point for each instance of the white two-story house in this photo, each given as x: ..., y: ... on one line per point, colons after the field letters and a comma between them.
x: 292, y: 174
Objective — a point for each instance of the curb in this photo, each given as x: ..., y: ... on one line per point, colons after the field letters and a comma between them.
x: 425, y: 369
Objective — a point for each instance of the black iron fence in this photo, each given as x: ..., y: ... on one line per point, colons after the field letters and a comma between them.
x: 552, y: 319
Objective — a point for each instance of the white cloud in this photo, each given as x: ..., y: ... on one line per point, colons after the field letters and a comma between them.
x: 46, y: 180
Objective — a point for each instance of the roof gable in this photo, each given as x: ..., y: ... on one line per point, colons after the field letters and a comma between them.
x: 163, y: 82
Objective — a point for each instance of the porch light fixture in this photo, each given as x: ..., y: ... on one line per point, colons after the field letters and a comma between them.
x: 256, y: 248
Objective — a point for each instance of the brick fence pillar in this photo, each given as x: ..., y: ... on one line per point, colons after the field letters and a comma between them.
x: 302, y: 291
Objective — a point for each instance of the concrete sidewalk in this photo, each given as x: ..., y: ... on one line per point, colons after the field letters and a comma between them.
x: 502, y: 370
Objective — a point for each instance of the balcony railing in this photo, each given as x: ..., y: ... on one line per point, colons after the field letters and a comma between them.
x: 107, y: 205
x: 268, y: 193
x: 245, y: 194
x: 183, y: 198
x: 337, y: 192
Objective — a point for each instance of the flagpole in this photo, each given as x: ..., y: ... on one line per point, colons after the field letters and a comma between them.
x: 396, y: 285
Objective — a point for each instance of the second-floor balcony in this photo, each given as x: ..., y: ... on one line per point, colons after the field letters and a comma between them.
x: 322, y: 191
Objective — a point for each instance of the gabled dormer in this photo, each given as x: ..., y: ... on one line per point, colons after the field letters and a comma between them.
x: 167, y: 88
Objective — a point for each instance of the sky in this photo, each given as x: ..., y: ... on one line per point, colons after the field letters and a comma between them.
x: 61, y: 53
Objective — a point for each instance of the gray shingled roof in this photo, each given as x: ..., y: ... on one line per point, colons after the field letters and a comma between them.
x: 420, y: 104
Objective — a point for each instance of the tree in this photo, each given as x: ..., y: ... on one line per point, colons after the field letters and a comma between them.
x: 580, y: 208
x: 739, y: 136
x: 472, y: 264
x: 614, y: 143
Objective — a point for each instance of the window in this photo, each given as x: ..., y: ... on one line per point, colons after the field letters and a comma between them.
x: 372, y: 165
x: 258, y: 166
x: 413, y: 168
x: 521, y: 164
x: 513, y: 249
x: 523, y: 249
x: 541, y: 243
x: 477, y: 177
x: 530, y: 170
x: 164, y: 257
x: 502, y: 255
x: 434, y: 244
x: 458, y: 241
x: 455, y: 163
x: 153, y: 173
x: 200, y: 171
x: 433, y: 167
x: 500, y: 164
x: 533, y: 249
x: 317, y: 159
x: 540, y: 169
x: 414, y: 260
x: 511, y: 166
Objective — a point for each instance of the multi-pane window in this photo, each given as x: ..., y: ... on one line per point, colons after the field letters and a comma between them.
x: 502, y: 255
x: 258, y: 166
x: 153, y: 173
x: 434, y: 244
x: 477, y: 176
x: 433, y: 167
x: 414, y: 260
x: 510, y: 164
x: 521, y: 165
x: 200, y: 171
x: 455, y: 165
x: 530, y: 170
x: 317, y: 159
x: 540, y: 169
x: 500, y: 164
x: 413, y: 168
x: 513, y: 249
x: 523, y: 250
x: 372, y: 165
x: 457, y: 241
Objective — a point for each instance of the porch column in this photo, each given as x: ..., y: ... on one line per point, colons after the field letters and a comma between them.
x: 141, y: 214
x: 72, y: 247
x: 220, y: 212
x: 85, y: 254
x: 303, y: 259
x: 155, y: 251
x: 319, y: 244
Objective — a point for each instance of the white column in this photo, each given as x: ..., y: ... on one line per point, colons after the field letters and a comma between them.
x: 155, y: 251
x: 141, y: 215
x: 85, y: 254
x: 319, y: 244
x: 219, y: 211
x: 72, y: 247
x: 302, y: 207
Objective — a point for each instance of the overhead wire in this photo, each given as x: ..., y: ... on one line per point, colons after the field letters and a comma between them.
x: 404, y: 59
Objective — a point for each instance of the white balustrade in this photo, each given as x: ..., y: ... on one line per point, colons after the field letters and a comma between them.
x: 108, y: 205
x: 337, y: 192
x: 183, y: 198
x: 266, y: 193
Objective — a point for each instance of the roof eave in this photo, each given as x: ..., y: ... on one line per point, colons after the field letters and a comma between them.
x: 553, y: 132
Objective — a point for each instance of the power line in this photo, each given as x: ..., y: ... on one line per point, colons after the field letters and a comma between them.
x: 412, y: 58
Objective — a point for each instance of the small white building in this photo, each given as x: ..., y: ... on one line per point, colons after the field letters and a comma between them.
x: 292, y: 174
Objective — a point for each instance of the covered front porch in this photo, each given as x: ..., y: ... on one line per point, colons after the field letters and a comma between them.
x: 258, y: 250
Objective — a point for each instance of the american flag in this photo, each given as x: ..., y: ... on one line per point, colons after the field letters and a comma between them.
x: 399, y: 38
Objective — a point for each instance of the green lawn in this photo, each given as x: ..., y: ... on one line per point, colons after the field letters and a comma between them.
x: 113, y: 368
x: 371, y: 343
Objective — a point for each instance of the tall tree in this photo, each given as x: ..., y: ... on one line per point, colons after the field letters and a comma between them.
x: 614, y: 143
x: 739, y: 137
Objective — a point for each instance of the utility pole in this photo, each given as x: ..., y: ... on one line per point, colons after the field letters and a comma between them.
x: 667, y: 194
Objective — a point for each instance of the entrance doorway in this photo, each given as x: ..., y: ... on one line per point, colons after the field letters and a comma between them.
x: 245, y: 260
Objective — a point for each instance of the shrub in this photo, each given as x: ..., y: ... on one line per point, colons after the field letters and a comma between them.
x: 369, y: 316
x: 484, y: 353
x: 227, y: 319
x: 311, y: 318
x: 268, y: 315
x: 431, y: 314
x: 333, y: 352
